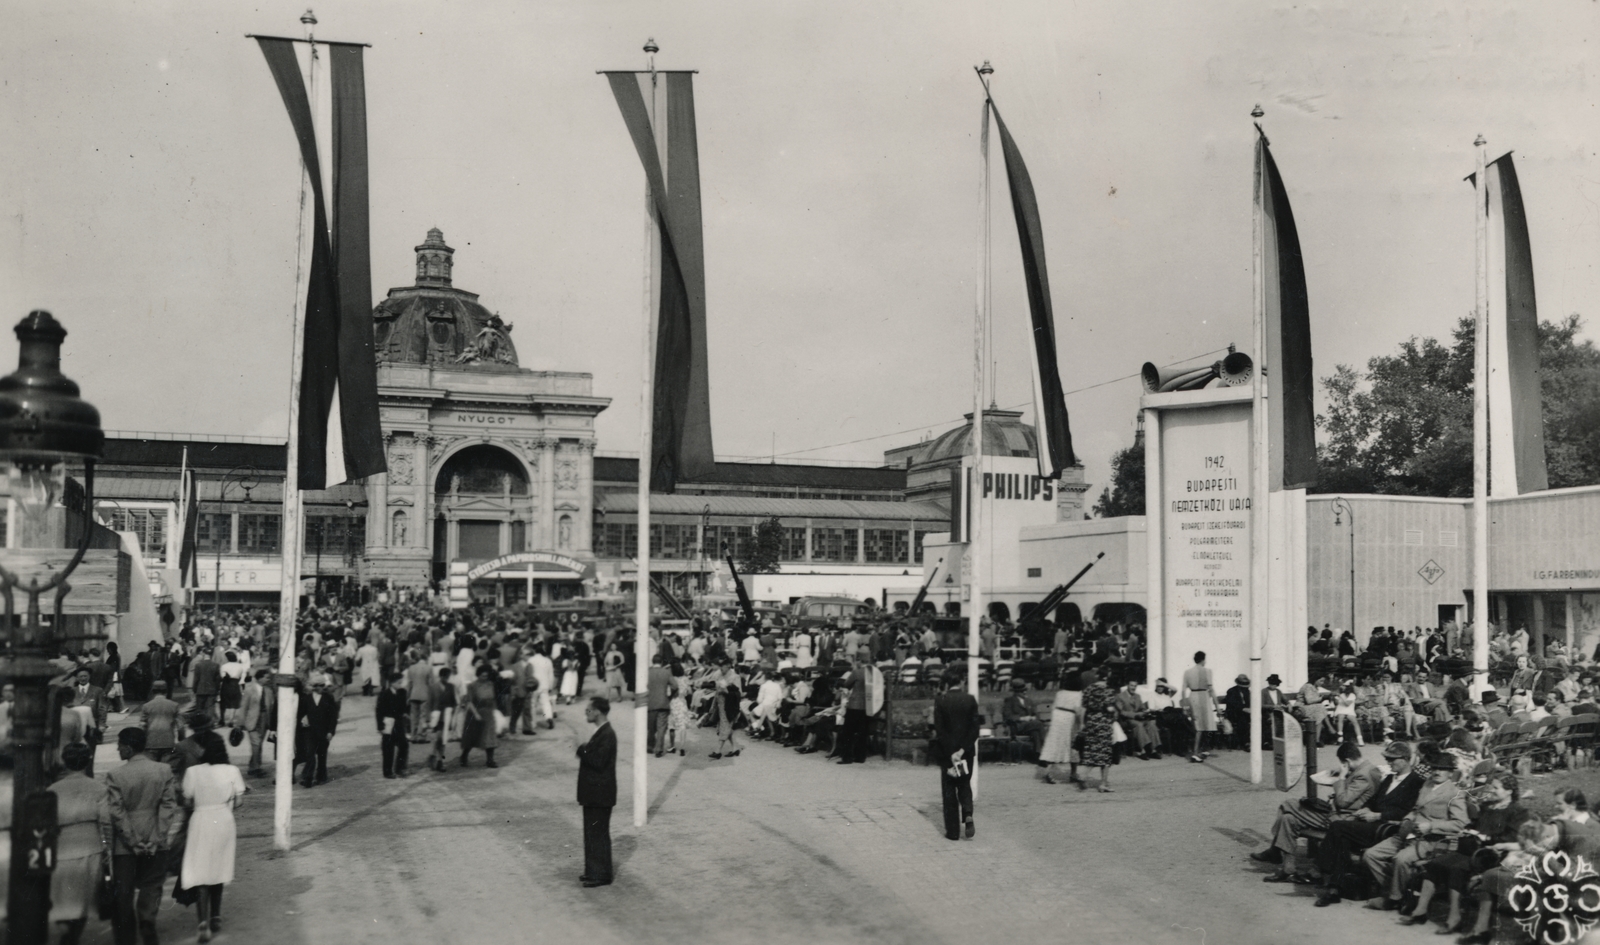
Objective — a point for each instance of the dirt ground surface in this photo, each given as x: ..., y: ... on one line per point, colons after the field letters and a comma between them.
x: 770, y: 846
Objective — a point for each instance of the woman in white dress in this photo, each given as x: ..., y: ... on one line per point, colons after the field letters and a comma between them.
x: 1344, y: 713
x: 212, y: 788
x: 1199, y: 697
x: 1057, y: 748
x: 569, y: 675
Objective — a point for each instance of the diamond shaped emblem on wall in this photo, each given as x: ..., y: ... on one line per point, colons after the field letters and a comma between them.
x: 1431, y: 571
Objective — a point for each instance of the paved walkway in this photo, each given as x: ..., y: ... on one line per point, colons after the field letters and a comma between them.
x: 772, y: 846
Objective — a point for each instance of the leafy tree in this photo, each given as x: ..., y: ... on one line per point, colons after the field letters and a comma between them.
x: 1125, y: 496
x: 1404, y: 427
x: 761, y: 555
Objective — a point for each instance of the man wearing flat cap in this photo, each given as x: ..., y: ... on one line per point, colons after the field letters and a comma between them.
x: 1356, y: 831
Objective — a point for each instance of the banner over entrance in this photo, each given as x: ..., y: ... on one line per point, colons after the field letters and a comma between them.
x: 579, y: 568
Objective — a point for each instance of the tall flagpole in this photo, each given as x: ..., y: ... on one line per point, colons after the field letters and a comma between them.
x: 980, y: 359
x: 1260, y: 488
x: 641, y: 617
x: 1480, y: 437
x: 289, y: 584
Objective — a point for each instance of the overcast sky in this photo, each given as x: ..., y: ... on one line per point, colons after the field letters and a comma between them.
x: 149, y: 180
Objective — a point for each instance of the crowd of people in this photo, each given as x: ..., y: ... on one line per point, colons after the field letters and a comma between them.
x: 1442, y: 818
x: 459, y: 682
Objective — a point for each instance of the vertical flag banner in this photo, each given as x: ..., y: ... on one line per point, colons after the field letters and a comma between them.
x: 189, y: 530
x: 1292, y: 417
x: 339, y: 432
x: 1516, y: 424
x: 1049, y: 399
x: 658, y: 109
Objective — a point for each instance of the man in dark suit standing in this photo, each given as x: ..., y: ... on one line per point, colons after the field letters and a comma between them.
x: 392, y: 719
x: 318, y: 718
x: 207, y: 681
x: 597, y: 793
x: 955, y: 728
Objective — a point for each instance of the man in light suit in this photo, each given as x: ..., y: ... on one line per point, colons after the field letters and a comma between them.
x: 256, y: 713
x: 159, y: 719
x: 85, y: 693
x: 597, y: 793
x: 143, y: 801
x: 1439, y: 816
x: 1358, y: 784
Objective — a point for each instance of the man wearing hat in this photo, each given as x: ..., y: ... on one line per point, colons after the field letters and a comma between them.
x: 1271, y: 700
x: 1437, y: 818
x: 1019, y: 715
x: 1354, y: 832
x: 955, y: 729
x: 1137, y: 722
x: 1236, y: 708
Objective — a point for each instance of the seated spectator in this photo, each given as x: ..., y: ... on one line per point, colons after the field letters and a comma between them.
x: 1437, y: 818
x: 1236, y: 709
x: 1497, y: 829
x: 1457, y: 697
x: 1177, y: 730
x: 1573, y: 831
x: 1137, y: 721
x: 1358, y: 782
x: 1019, y: 715
x: 1355, y: 831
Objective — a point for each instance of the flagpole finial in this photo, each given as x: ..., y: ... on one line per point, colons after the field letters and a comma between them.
x: 651, y: 47
x: 1479, y: 142
x: 308, y: 18
x: 1258, y: 111
x: 986, y: 69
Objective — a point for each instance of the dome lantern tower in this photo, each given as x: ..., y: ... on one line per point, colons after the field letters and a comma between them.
x: 434, y: 260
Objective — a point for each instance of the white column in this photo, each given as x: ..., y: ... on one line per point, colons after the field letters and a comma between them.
x: 1155, y: 580
x: 548, y: 450
x: 583, y: 527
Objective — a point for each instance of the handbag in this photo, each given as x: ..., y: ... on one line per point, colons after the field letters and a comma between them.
x: 236, y: 736
x: 1118, y: 736
x: 105, y: 895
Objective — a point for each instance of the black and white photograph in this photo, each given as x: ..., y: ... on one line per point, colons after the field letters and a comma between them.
x: 1154, y: 445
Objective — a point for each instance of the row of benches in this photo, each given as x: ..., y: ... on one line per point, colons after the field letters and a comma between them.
x: 1543, y: 740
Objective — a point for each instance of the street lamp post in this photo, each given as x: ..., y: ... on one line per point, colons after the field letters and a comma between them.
x: 1342, y: 506
x: 246, y: 481
x: 44, y: 425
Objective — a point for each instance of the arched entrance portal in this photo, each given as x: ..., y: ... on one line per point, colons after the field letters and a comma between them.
x: 481, y: 505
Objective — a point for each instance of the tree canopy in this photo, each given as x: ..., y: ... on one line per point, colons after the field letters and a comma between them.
x: 1125, y: 496
x: 762, y: 554
x: 1404, y: 426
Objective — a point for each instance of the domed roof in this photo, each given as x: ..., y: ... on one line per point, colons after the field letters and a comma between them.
x: 433, y: 322
x: 1004, y: 434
